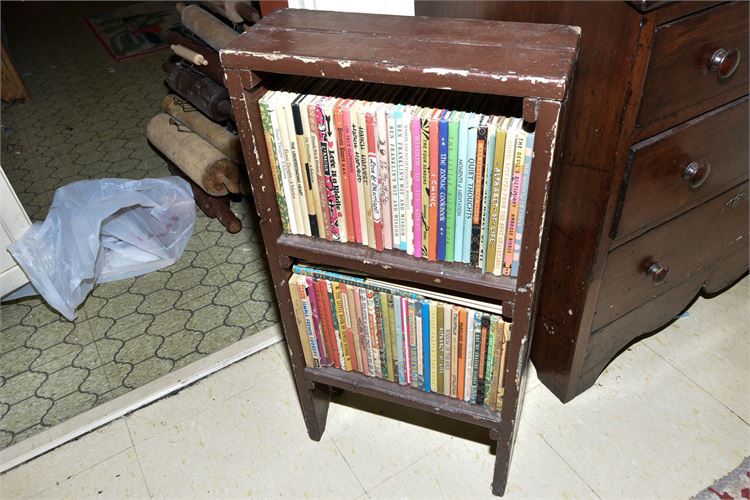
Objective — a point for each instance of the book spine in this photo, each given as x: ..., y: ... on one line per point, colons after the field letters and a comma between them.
x: 399, y: 339
x: 490, y: 363
x: 502, y: 220
x: 515, y: 202
x: 374, y: 337
x: 324, y: 222
x: 307, y: 311
x: 494, y: 216
x: 386, y: 359
x: 483, y: 358
x: 384, y: 182
x: 366, y: 174
x: 327, y: 155
x: 522, y: 208
x: 406, y: 339
x: 313, y: 156
x: 351, y: 302
x: 373, y: 167
x: 393, y: 157
x: 440, y: 322
x: 354, y: 171
x: 414, y: 336
x: 305, y: 164
x: 290, y: 145
x: 281, y: 157
x: 447, y: 333
x: 361, y: 329
x: 433, y: 347
x: 300, y: 319
x: 400, y: 175
x: 486, y: 195
x: 426, y: 348
x: 462, y: 145
x: 476, y: 214
x: 476, y: 352
x: 394, y: 339
x: 471, y: 171
x: 461, y: 354
x: 442, y: 188
x: 425, y: 195
x: 334, y: 321
x: 274, y: 163
x: 343, y: 161
x: 340, y: 325
x: 450, y: 229
x: 501, y: 373
x: 454, y: 351
x: 327, y: 322
x: 365, y: 317
x: 408, y: 181
x: 312, y: 295
x: 360, y: 172
x: 496, y: 358
x: 420, y: 339
x: 416, y: 188
x: 434, y: 142
x: 345, y: 308
x: 469, y: 366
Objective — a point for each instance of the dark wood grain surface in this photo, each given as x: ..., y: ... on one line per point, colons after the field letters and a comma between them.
x: 656, y: 189
x: 679, y: 84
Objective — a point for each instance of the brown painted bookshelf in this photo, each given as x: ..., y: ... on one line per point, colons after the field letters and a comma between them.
x: 531, y: 64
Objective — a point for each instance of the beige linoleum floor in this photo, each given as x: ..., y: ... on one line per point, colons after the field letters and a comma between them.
x: 665, y: 420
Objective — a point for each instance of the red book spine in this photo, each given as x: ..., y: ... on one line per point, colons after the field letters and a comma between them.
x: 338, y: 121
x: 325, y: 309
x: 350, y: 166
x: 372, y: 158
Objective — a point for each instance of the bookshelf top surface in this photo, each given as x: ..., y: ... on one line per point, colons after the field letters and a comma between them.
x: 521, y: 59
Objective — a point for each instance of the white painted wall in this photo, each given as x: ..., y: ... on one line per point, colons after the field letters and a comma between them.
x: 397, y: 7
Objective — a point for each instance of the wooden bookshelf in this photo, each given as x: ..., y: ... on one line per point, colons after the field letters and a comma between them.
x: 530, y: 62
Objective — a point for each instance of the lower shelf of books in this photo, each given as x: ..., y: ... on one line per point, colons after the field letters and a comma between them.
x: 415, y: 398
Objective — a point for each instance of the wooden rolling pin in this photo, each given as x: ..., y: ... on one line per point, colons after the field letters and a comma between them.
x: 207, y: 27
x: 189, y: 55
x: 204, y: 164
x: 216, y: 207
x: 213, y: 69
x: 202, y: 92
x: 213, y: 133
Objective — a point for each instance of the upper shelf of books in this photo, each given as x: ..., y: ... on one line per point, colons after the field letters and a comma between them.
x: 515, y: 59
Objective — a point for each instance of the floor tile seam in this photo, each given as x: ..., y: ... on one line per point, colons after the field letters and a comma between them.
x: 67, y: 353
x: 76, y: 474
x: 137, y: 457
x: 356, y: 477
x: 568, y: 465
x: 696, y: 384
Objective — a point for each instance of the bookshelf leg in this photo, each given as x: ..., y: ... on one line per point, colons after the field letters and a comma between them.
x: 502, y: 463
x: 315, y: 409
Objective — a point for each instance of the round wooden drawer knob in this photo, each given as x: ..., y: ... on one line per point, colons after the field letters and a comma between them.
x: 657, y: 272
x: 724, y: 62
x: 696, y: 173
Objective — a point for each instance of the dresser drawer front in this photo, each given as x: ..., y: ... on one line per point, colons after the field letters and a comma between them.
x: 679, y: 83
x: 684, y: 165
x: 710, y: 239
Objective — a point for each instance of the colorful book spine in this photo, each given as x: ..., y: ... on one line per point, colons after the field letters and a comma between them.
x: 425, y: 168
x: 487, y: 194
x: 351, y: 303
x: 515, y: 201
x: 319, y: 321
x: 387, y: 333
x: 454, y: 352
x: 313, y: 156
x: 393, y: 156
x: 483, y: 358
x: 374, y: 338
x: 476, y: 214
x: 416, y: 187
x: 340, y: 324
x: 433, y: 347
x: 494, y: 204
x: 450, y: 229
x: 384, y: 183
x: 502, y: 220
x: 496, y: 362
x: 374, y: 169
x: 273, y: 160
x: 469, y: 363
x: 434, y: 139
x: 443, y: 186
x: 301, y: 319
x: 364, y: 318
x: 349, y: 330
x: 324, y: 221
x: 426, y: 352
x: 522, y: 209
x: 408, y: 180
x: 462, y: 156
x: 335, y: 328
x: 332, y: 210
x: 401, y: 174
x: 471, y: 168
x: 379, y: 329
x: 440, y: 320
x: 476, y: 353
x: 418, y: 381
x: 461, y: 352
x: 405, y: 324
x: 361, y: 111
x: 305, y: 163
x: 394, y: 339
x: 354, y: 170
x: 345, y: 184
x: 399, y: 340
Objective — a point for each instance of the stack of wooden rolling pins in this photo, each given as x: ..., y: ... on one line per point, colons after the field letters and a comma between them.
x: 195, y: 130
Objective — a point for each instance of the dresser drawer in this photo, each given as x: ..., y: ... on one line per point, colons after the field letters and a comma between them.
x: 690, y: 247
x: 684, y: 165
x: 680, y: 82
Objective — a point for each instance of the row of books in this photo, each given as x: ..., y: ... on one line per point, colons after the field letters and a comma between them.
x: 442, y: 344
x: 436, y: 182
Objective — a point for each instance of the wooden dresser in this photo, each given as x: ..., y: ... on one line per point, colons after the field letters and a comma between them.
x: 650, y: 206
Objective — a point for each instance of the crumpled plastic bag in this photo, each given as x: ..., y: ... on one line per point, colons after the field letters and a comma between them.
x: 104, y: 230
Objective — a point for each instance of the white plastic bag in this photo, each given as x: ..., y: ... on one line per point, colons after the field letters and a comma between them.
x: 104, y: 230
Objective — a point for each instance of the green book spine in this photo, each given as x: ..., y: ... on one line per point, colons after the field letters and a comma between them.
x: 387, y: 335
x: 496, y: 186
x: 489, y: 365
x: 450, y: 227
x: 275, y: 167
x: 394, y: 341
x: 379, y: 328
